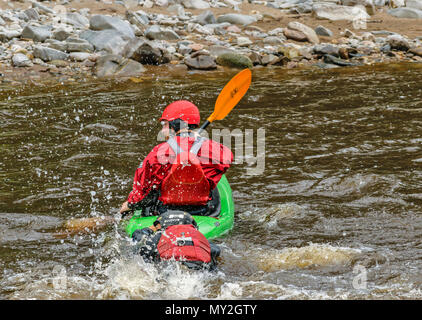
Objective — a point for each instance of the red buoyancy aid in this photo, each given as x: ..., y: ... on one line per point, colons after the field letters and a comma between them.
x: 184, y: 243
x: 186, y: 183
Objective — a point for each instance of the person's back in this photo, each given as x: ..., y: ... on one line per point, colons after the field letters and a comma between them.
x: 152, y: 178
x: 174, y: 236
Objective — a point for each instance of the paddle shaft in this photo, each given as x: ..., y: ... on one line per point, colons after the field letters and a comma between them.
x: 204, y: 126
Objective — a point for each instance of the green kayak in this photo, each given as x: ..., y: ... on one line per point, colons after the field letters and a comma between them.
x: 210, y: 227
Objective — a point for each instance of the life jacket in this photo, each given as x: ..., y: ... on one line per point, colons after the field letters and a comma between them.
x: 186, y: 183
x: 184, y: 243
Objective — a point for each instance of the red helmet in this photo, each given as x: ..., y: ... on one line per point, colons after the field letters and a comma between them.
x: 182, y: 109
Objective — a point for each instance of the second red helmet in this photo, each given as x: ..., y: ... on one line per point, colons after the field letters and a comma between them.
x: 182, y: 109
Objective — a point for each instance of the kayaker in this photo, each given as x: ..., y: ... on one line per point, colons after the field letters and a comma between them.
x: 175, y: 235
x: 162, y: 183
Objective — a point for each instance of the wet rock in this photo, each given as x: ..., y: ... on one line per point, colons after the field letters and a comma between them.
x: 201, y: 62
x: 307, y: 31
x: 21, y: 60
x: 236, y: 18
x: 36, y: 33
x: 334, y: 12
x: 107, y: 40
x: 146, y: 52
x: 295, y: 35
x: 322, y: 31
x: 115, y: 65
x: 234, y: 60
x: 398, y: 42
x: 409, y: 13
x: 207, y: 17
x: 102, y: 22
x: 157, y: 33
x: 49, y: 54
x: 337, y: 61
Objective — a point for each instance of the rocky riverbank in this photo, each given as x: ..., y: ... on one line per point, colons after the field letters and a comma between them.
x: 80, y: 39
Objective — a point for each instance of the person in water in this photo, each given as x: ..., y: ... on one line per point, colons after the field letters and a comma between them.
x: 175, y: 236
x: 163, y: 182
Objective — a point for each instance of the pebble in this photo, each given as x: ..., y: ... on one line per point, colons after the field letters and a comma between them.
x: 121, y: 45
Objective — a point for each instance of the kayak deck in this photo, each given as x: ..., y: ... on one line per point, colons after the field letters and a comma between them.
x: 210, y: 227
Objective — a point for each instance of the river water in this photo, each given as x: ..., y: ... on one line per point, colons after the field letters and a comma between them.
x: 336, y: 213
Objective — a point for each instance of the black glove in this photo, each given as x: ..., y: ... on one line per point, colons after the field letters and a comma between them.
x: 140, y: 234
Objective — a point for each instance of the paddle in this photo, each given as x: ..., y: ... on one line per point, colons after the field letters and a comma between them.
x: 228, y: 98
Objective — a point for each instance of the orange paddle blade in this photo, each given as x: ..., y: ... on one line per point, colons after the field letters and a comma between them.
x: 231, y: 95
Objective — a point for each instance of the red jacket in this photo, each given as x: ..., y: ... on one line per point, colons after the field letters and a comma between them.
x: 215, y: 160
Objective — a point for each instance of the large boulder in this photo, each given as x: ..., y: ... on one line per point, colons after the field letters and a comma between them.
x: 36, y: 33
x: 408, y: 13
x: 236, y: 18
x: 49, y: 54
x: 102, y: 22
x: 146, y: 52
x: 115, y: 65
x: 106, y: 40
x: 234, y: 60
